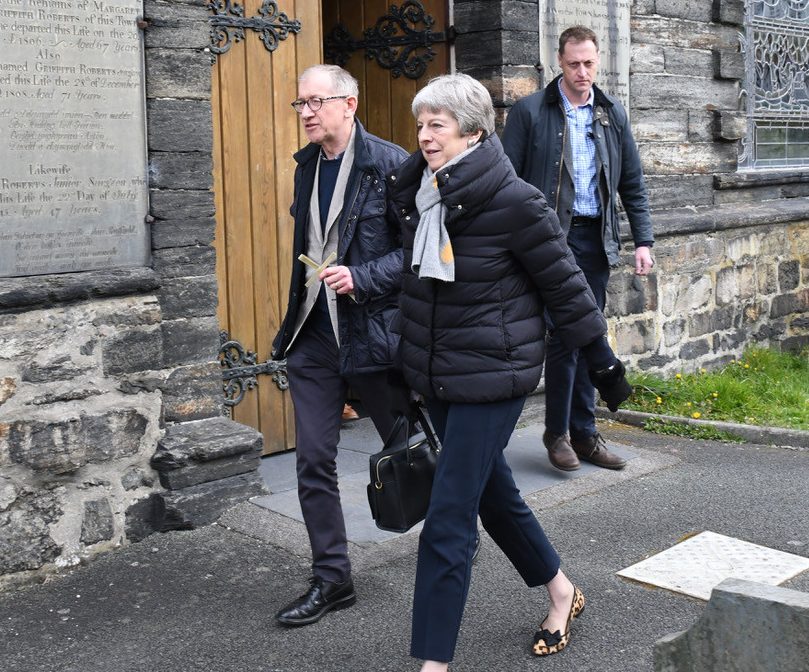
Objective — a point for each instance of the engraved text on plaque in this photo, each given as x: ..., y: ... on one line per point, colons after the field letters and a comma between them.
x: 73, y: 178
x: 609, y: 20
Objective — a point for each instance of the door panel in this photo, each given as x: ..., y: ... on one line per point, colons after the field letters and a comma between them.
x: 384, y: 106
x: 255, y: 134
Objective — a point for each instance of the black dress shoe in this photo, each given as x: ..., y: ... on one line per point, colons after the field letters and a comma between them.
x: 321, y: 597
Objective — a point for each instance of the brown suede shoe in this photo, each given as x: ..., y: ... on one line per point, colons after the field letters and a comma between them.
x: 349, y: 413
x: 560, y: 452
x: 593, y: 449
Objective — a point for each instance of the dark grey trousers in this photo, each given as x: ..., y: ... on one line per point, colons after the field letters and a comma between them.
x: 318, y: 394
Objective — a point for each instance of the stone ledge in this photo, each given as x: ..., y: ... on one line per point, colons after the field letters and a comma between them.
x: 679, y: 221
x: 18, y: 294
x: 759, y: 178
x: 746, y: 627
x: 191, y: 507
x: 207, y: 450
x: 793, y: 438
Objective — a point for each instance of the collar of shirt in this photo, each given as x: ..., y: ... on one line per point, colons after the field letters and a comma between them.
x: 569, y: 107
x: 323, y: 156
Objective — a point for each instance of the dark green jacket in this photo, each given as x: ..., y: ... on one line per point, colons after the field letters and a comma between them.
x: 536, y: 140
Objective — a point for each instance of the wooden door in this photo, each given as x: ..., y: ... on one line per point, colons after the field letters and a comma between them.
x: 255, y: 134
x: 385, y: 94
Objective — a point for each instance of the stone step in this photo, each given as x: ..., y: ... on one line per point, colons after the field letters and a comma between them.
x: 207, y: 450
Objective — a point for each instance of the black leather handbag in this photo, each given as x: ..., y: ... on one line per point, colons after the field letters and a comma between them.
x: 402, y: 474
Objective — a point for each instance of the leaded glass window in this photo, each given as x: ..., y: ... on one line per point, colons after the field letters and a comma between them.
x: 776, y: 52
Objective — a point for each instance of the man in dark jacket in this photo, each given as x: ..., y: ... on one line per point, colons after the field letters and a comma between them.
x: 573, y: 142
x: 336, y: 333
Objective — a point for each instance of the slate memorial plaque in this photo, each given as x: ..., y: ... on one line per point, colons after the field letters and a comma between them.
x: 609, y: 20
x: 73, y: 161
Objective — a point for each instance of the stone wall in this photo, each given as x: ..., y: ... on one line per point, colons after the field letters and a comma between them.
x: 746, y: 627
x: 732, y: 247
x: 102, y: 372
x: 725, y: 279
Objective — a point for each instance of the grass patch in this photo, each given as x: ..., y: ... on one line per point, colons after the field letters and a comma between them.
x: 661, y: 426
x: 764, y: 387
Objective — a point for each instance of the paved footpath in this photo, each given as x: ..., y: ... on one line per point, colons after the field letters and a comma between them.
x: 203, y: 601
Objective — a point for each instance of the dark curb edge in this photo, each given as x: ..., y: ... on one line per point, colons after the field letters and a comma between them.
x: 793, y: 438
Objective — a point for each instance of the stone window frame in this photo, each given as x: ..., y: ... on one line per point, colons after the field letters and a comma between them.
x: 775, y: 124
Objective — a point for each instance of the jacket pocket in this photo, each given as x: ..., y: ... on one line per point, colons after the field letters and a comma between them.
x: 383, y: 342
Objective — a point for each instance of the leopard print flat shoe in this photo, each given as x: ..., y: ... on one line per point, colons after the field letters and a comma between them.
x: 547, y: 643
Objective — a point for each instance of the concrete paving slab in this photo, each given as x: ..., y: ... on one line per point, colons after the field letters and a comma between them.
x: 700, y: 563
x: 525, y: 453
x: 204, y: 600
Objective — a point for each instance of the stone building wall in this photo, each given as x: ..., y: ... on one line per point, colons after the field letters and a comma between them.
x: 110, y: 392
x: 110, y: 425
x: 732, y: 248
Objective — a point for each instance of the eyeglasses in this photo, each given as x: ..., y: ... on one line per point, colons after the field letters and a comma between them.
x: 314, y: 103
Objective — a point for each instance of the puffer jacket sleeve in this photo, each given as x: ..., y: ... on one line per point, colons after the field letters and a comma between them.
x: 382, y: 275
x: 540, y: 245
x: 377, y: 277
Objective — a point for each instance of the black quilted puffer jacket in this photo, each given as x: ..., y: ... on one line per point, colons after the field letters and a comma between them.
x: 481, y: 338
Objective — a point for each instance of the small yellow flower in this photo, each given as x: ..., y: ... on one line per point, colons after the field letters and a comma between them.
x: 688, y: 403
x: 658, y: 401
x: 696, y: 415
x: 678, y: 376
x: 703, y: 371
x: 715, y: 395
x: 746, y: 366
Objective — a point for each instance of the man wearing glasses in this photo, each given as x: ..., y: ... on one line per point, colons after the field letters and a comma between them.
x: 346, y: 275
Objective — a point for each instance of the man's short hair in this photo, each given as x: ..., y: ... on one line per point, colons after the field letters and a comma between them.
x: 342, y: 81
x: 460, y: 96
x: 576, y: 34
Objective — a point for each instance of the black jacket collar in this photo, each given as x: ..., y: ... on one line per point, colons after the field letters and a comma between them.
x: 362, y: 158
x: 469, y: 184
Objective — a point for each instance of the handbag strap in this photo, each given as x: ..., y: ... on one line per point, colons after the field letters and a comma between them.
x: 427, y: 428
x: 403, y: 428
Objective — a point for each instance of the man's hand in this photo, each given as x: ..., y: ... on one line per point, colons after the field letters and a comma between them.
x: 643, y: 260
x: 338, y: 278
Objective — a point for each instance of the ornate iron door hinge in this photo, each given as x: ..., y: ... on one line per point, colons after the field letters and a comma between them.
x: 394, y: 42
x: 239, y: 369
x: 228, y: 24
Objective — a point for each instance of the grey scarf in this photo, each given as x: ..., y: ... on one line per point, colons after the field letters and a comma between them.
x: 432, y: 248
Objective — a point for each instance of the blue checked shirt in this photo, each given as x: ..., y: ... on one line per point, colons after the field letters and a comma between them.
x: 580, y: 124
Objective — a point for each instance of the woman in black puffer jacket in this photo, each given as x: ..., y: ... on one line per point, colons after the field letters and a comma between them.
x: 484, y: 256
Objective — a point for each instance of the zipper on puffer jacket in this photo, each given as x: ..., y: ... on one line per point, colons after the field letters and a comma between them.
x: 432, y: 335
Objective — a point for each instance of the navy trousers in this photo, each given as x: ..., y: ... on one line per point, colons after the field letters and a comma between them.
x: 318, y: 394
x: 569, y: 394
x: 472, y: 478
